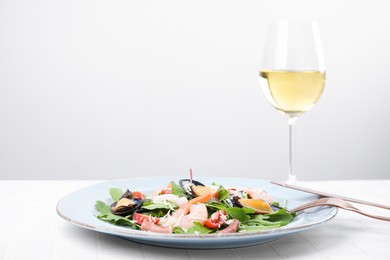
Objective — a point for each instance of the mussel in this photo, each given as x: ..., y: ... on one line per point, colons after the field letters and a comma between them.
x: 260, y: 206
x: 126, y: 204
x: 194, y: 188
x: 231, y: 202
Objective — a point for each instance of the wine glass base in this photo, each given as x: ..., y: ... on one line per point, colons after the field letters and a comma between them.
x: 292, y: 179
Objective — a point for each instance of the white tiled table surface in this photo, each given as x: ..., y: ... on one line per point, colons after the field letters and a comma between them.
x: 31, y: 229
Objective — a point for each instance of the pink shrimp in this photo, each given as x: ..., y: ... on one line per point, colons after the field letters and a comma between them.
x: 198, y: 213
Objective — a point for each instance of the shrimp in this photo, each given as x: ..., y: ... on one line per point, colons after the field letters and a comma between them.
x: 198, y: 213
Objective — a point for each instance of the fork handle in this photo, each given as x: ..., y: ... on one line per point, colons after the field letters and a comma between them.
x: 328, y: 202
x: 368, y: 215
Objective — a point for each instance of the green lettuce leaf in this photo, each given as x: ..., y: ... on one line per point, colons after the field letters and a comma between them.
x: 116, y: 193
x: 261, y: 222
x: 222, y: 193
x: 178, y: 230
x: 198, y: 228
x: 106, y: 215
x: 177, y: 190
x: 282, y: 216
x: 153, y: 206
x: 235, y: 212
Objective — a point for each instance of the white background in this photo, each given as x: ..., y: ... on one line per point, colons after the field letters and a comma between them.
x: 117, y: 89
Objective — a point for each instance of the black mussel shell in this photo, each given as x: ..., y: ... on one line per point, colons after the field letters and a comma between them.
x: 186, y: 183
x: 128, y: 194
x: 233, y: 201
x: 124, y: 211
x: 236, y: 201
x: 230, y: 202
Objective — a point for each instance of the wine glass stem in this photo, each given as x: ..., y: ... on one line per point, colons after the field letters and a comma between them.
x: 292, y: 178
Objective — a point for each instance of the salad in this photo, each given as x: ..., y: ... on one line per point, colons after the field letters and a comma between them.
x: 190, y: 207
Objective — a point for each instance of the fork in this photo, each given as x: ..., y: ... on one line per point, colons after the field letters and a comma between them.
x: 335, y: 202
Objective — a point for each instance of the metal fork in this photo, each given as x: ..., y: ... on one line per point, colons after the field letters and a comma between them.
x: 335, y: 202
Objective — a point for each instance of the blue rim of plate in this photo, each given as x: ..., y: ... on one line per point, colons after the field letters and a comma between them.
x: 82, y: 213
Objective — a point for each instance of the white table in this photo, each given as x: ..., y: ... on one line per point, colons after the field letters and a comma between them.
x: 31, y: 229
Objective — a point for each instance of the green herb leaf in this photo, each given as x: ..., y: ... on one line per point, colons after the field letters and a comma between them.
x: 198, y: 228
x: 177, y: 190
x: 249, y: 210
x: 234, y: 212
x: 237, y: 213
x: 102, y: 207
x: 261, y: 222
x: 254, y: 228
x: 153, y: 206
x: 116, y: 193
x: 106, y: 215
x: 282, y: 216
x: 178, y: 230
x: 222, y: 193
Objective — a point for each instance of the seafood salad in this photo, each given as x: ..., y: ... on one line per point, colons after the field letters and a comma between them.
x: 190, y: 207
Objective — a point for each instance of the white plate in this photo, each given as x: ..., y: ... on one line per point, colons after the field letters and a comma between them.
x: 78, y: 208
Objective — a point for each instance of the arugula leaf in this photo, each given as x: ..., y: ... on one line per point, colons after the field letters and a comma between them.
x: 102, y: 207
x: 249, y: 210
x: 178, y: 230
x: 198, y: 228
x: 160, y: 205
x: 235, y: 212
x: 116, y: 193
x: 157, y: 212
x: 106, y: 215
x: 282, y: 216
x: 263, y: 222
x: 177, y: 190
x: 222, y: 193
x: 250, y: 228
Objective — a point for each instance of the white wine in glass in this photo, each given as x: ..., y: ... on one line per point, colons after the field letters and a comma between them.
x: 292, y: 76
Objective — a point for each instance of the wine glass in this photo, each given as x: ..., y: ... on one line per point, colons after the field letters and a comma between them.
x: 292, y: 74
